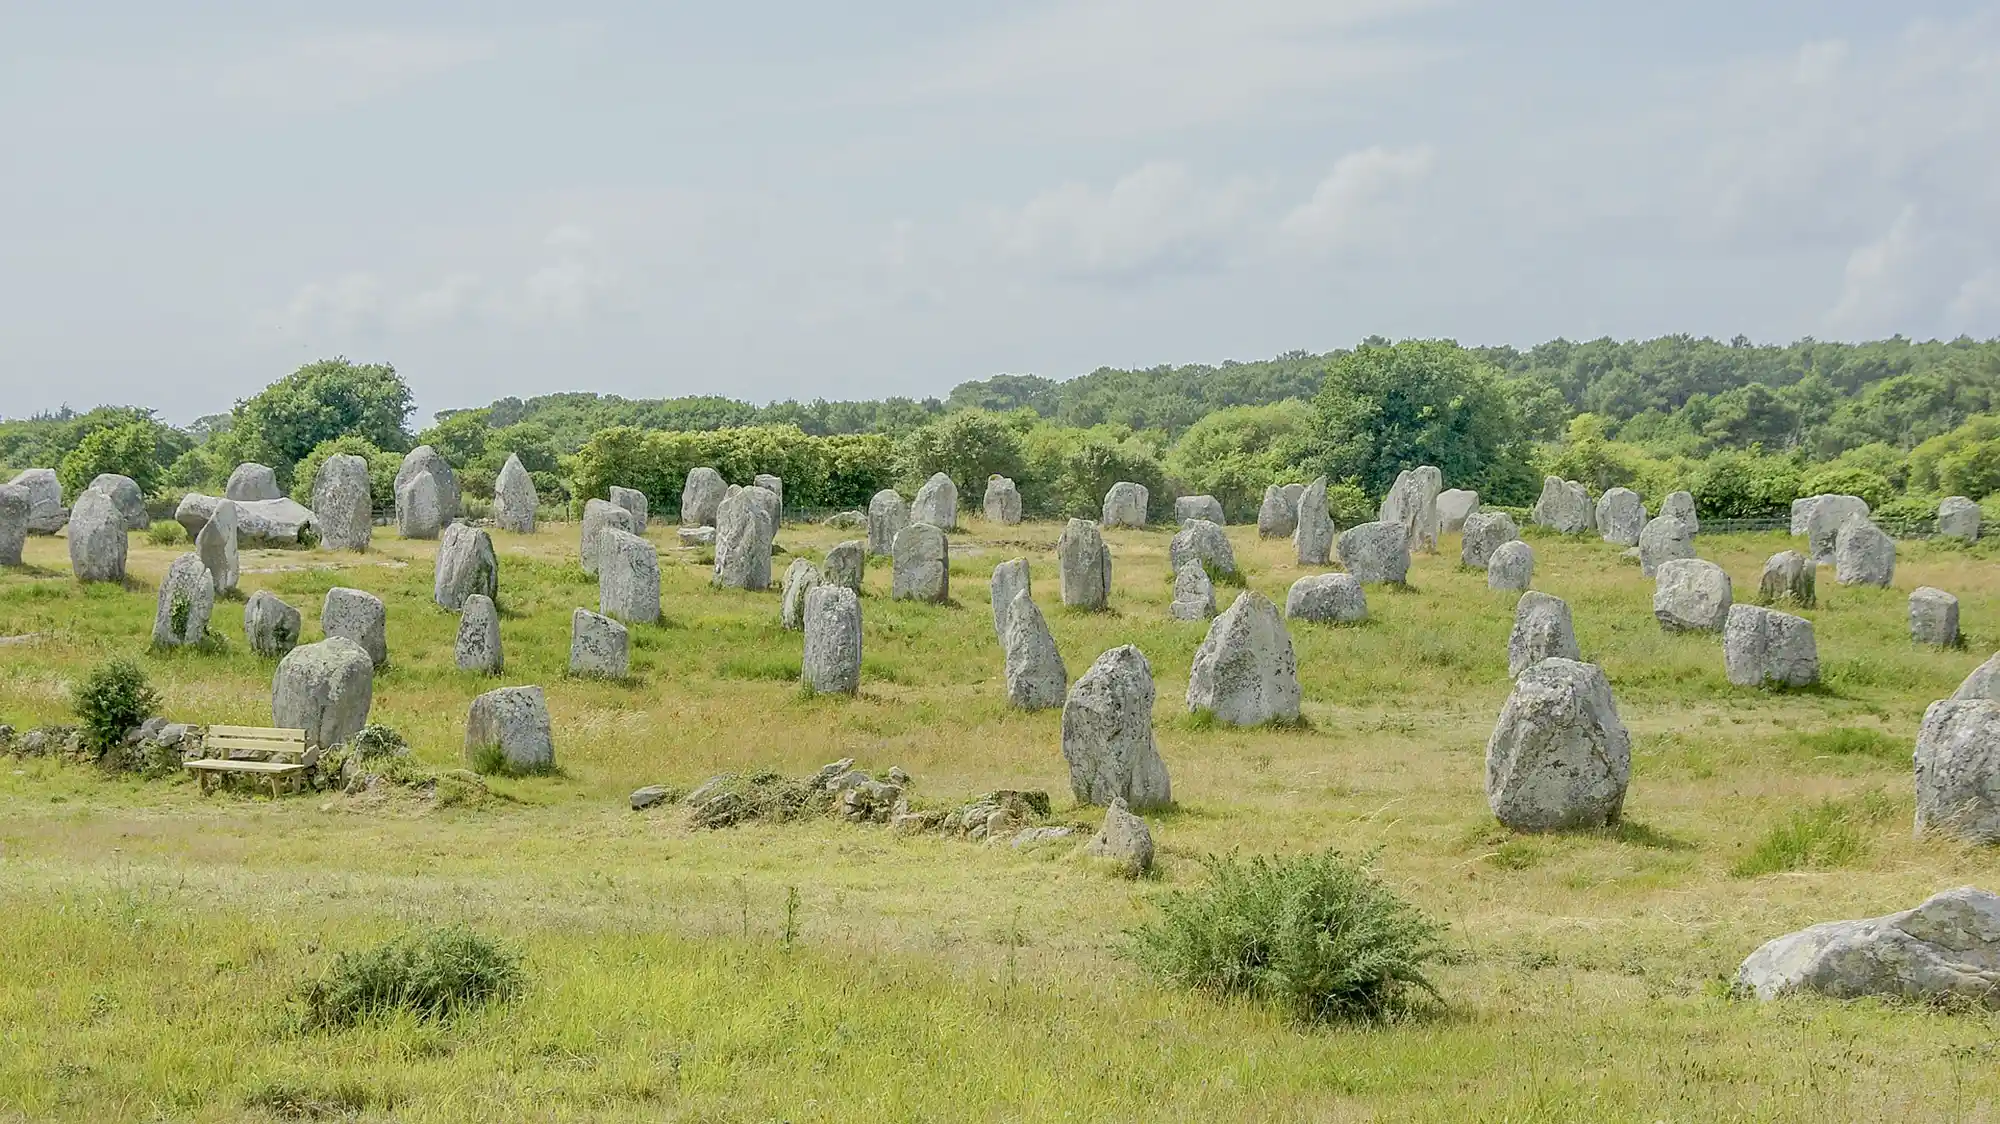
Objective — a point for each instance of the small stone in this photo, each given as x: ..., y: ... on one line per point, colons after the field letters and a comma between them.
x: 1564, y: 507
x: 847, y: 563
x: 1327, y: 599
x: 1788, y: 579
x: 628, y: 577
x: 217, y: 546
x: 465, y: 564
x: 1124, y: 839
x: 1125, y: 505
x: 1691, y: 595
x: 97, y: 539
x: 478, y: 646
x: 1482, y: 534
x: 1454, y: 506
x: 359, y: 616
x: 1189, y: 508
x: 936, y: 503
x: 1194, y: 594
x: 634, y: 502
x: 343, y: 504
x: 1947, y: 947
x: 701, y: 497
x: 648, y: 796
x: 1010, y: 579
x: 1084, y: 566
x: 1621, y: 516
x: 1002, y: 505
x: 1312, y: 538
x: 1512, y: 566
x: 514, y: 498
x: 1559, y: 758
x: 1763, y: 647
x: 270, y: 626
x: 1542, y: 629
x: 515, y: 721
x: 187, y: 597
x: 324, y: 689
x: 1862, y: 554
x: 1201, y: 541
x: 887, y: 516
x: 1375, y: 553
x: 1664, y: 539
x: 801, y: 578
x: 252, y: 482
x: 832, y: 664
x: 1107, y: 733
x: 599, y: 647
x: 1245, y: 672
x: 1934, y: 617
x: 1958, y: 518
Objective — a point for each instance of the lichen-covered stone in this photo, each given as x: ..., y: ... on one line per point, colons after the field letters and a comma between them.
x: 421, y: 459
x: 1037, y: 679
x: 1664, y: 538
x: 1010, y: 579
x: 1763, y: 647
x: 465, y: 565
x: 252, y: 481
x: 936, y: 503
x: 477, y: 648
x: 1002, y: 504
x: 599, y: 647
x: 634, y: 502
x: 1412, y: 503
x: 1278, y: 515
x: 1559, y: 758
x: 1481, y: 535
x: 1863, y: 554
x: 1542, y: 629
x: 1788, y: 578
x: 1204, y: 542
x: 801, y: 578
x: 1312, y: 538
x: 1934, y: 617
x: 1564, y: 507
x: 1189, y: 508
x: 1819, y: 518
x: 744, y: 532
x: 628, y: 577
x: 600, y: 516
x: 15, y: 507
x: 1958, y: 770
x: 847, y: 564
x: 1327, y: 599
x: 701, y: 497
x: 1194, y: 594
x: 1124, y: 839
x: 1084, y: 566
x: 887, y: 516
x: 1958, y: 518
x: 514, y: 498
x: 1691, y: 595
x: 1376, y: 553
x: 1621, y: 516
x: 1245, y: 672
x: 1125, y: 505
x: 187, y: 597
x: 1511, y: 567
x: 1454, y: 506
x: 920, y: 565
x: 776, y: 487
x: 270, y: 626
x: 419, y: 507
x: 324, y: 689
x: 515, y: 721
x: 342, y: 503
x: 1948, y: 947
x: 97, y: 539
x: 46, y: 513
x: 1107, y: 734
x: 124, y: 491
x: 832, y: 664
x: 217, y: 547
x: 359, y: 616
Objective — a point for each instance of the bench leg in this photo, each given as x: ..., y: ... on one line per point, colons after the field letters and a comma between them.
x: 206, y: 779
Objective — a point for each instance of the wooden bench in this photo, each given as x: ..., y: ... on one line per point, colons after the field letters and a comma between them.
x: 284, y: 756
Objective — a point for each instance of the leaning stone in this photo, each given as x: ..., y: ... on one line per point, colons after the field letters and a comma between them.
x: 1189, y: 508
x: 1621, y: 515
x: 744, y: 530
x: 1559, y: 757
x: 1542, y: 629
x: 628, y: 577
x: 887, y: 516
x: 358, y: 616
x: 1084, y: 563
x: 1763, y: 647
x: 801, y: 578
x: 421, y: 459
x: 1483, y: 532
x: 419, y: 510
x: 1278, y: 515
x: 270, y: 626
x: 1035, y: 673
x: 1010, y: 578
x: 1665, y: 538
x: 1934, y: 617
x: 1124, y: 839
x: 1958, y: 770
x: 634, y: 502
x: 936, y: 503
x: 97, y: 539
x: 1245, y: 672
x: 342, y: 503
x: 324, y: 689
x: 921, y: 565
x: 46, y: 513
x: 478, y: 646
x: 187, y: 597
x: 514, y: 498
x: 1788, y: 578
x: 1512, y: 566
x: 701, y: 497
x: 1194, y: 594
x: 1125, y: 505
x: 1003, y: 501
x: 847, y: 563
x: 1819, y: 518
x: 1564, y: 507
x: 1375, y: 553
x: 217, y: 546
x: 124, y: 491
x: 252, y: 482
x: 1958, y: 518
x: 1412, y: 502
x: 1107, y: 733
x: 1312, y: 538
x: 1454, y: 506
x: 515, y: 721
x: 465, y: 565
x: 14, y: 509
x: 1948, y: 947
x: 1690, y: 595
x: 1327, y: 599
x: 1863, y: 554
x: 599, y: 647
x: 600, y: 516
x: 1201, y: 541
x: 832, y: 664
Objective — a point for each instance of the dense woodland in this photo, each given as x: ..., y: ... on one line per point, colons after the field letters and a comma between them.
x: 1745, y: 427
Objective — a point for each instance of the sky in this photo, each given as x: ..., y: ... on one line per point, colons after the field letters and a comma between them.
x: 784, y: 200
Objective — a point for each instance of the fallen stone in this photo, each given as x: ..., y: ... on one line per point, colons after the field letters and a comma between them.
x: 647, y: 797
x: 1327, y: 599
x: 1948, y: 947
x: 697, y: 536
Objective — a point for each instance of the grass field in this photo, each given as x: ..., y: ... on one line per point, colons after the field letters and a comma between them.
x: 151, y: 940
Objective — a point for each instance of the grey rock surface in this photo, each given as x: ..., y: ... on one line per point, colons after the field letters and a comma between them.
x: 477, y: 648
x: 1278, y: 515
x: 1454, y: 505
x: 1564, y: 507
x: 936, y: 503
x: 1002, y: 503
x: 847, y: 564
x: 124, y: 491
x: 252, y: 481
x: 1542, y: 629
x: 744, y: 532
x: 832, y: 664
x: 342, y: 504
x: 1765, y: 648
x: 1037, y: 679
x: 1559, y: 758
x: 514, y: 498
x: 1010, y: 579
x: 634, y: 502
x: 599, y: 647
x: 1947, y: 947
x: 1680, y: 505
x: 1327, y: 599
x: 1194, y: 594
x: 46, y: 513
x: 1124, y: 839
x: 1690, y: 595
x: 1819, y: 518
x: 360, y: 616
x: 920, y: 565
x: 217, y: 546
x: 1376, y: 553
x: 1512, y: 566
x: 97, y: 539
x: 1983, y: 683
x: 271, y: 627
x: 1125, y: 505
x: 1863, y: 554
x: 465, y: 565
x: 1189, y: 508
x: 1083, y: 562
x: 801, y: 578
x: 1204, y: 542
x: 1788, y: 579
x: 1934, y: 617
x: 1107, y: 734
x: 1312, y: 537
x: 419, y: 507
x: 423, y: 458
x: 515, y: 721
x: 628, y: 577
x: 600, y: 516
x: 1245, y: 672
x: 887, y: 516
x: 1621, y: 515
x: 1481, y: 535
x: 1664, y: 538
x: 701, y: 497
x: 324, y: 689
x: 1412, y: 502
x: 187, y: 597
x: 1958, y: 770
x: 15, y: 507
x: 1958, y: 518
x: 776, y: 487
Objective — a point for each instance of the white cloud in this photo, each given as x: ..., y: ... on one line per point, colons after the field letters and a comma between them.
x: 1975, y: 308
x: 1876, y: 292
x: 1357, y: 200
x: 333, y: 70
x: 1156, y: 220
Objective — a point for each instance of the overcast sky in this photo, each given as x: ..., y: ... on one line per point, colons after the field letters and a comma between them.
x: 772, y: 200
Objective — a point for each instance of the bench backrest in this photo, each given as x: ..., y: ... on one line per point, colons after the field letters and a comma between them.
x: 225, y: 741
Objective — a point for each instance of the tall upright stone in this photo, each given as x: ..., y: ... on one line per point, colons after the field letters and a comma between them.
x: 832, y: 662
x: 421, y: 459
x: 1691, y: 595
x: 1412, y: 503
x: 1621, y: 516
x: 628, y: 577
x: 1187, y: 509
x: 1482, y: 534
x: 1010, y: 579
x: 1455, y: 505
x: 1564, y: 507
x: 1560, y: 757
x: 1958, y: 770
x: 1512, y: 566
x: 513, y: 724
x: 600, y: 516
x: 1125, y: 505
x: 187, y: 597
x: 920, y: 565
x: 744, y: 531
x: 1788, y: 578
x: 46, y: 513
x: 514, y: 498
x: 1002, y: 504
x: 1278, y: 515
x: 1375, y: 553
x: 342, y: 503
x: 801, y: 578
x: 251, y: 481
x: 936, y: 503
x: 1204, y: 542
x: 1084, y: 563
x: 324, y: 689
x: 701, y: 497
x: 1763, y: 647
x: 1958, y: 518
x: 887, y: 516
x: 1245, y: 672
x: 1664, y: 539
x: 599, y: 647
x: 1036, y: 676
x: 1312, y: 536
x: 216, y: 544
x: 776, y: 487
x: 360, y: 616
x: 15, y: 507
x: 1542, y: 630
x: 466, y: 564
x: 124, y: 491
x: 634, y: 502
x: 97, y: 539
x: 477, y: 648
x: 847, y: 564
x: 1194, y: 593
x: 1934, y: 617
x: 1107, y: 734
x: 1863, y: 554
x: 419, y: 507
x: 270, y: 626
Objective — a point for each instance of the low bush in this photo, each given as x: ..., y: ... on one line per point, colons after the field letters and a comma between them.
x: 1318, y: 935
x: 166, y: 532
x: 112, y: 699
x: 435, y: 974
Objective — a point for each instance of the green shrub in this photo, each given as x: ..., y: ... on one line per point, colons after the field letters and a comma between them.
x: 435, y: 974
x: 166, y: 532
x: 1318, y: 935
x: 112, y: 699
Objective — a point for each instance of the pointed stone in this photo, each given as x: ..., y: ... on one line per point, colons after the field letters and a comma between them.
x: 1245, y: 672
x: 1107, y: 734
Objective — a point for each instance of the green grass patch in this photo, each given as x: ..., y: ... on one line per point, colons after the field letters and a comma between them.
x: 1858, y: 741
x: 1826, y: 836
x: 434, y: 973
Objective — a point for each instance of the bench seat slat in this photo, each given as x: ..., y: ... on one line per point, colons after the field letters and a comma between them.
x: 219, y: 765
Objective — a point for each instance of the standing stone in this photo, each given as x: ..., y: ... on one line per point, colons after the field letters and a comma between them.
x: 936, y: 503
x: 1958, y: 770
x: 1690, y: 595
x: 1559, y: 757
x: 1003, y: 501
x: 1036, y: 676
x: 419, y: 509
x: 252, y: 481
x: 1664, y: 539
x: 324, y: 689
x: 1124, y: 840
x: 1483, y: 532
x: 515, y: 721
x: 1194, y: 594
x: 1512, y: 566
x: 1455, y: 505
x: 1312, y: 537
x: 1948, y: 947
x: 887, y: 516
x: 801, y: 578
x: 97, y: 542
x: 514, y: 498
x: 187, y: 597
x: 1958, y: 518
x: 1107, y: 733
x: 15, y: 507
x: 776, y: 487
x: 1863, y: 554
x: 1125, y: 505
x: 270, y: 626
x: 1202, y: 541
x: 1187, y: 509
x: 634, y: 502
x: 1983, y: 683
x: 921, y: 565
x: 701, y: 497
x: 1680, y: 505
x: 599, y: 647
x: 342, y: 503
x: 1564, y: 507
x: 628, y: 577
x: 1765, y: 647
x: 832, y: 664
x: 847, y: 563
x: 478, y: 645
x: 465, y: 565
x: 1412, y: 503
x: 1621, y: 516
x: 1327, y: 599
x: 1085, y: 565
x: 1542, y: 629
x: 46, y: 513
x: 1375, y: 553
x: 216, y: 544
x: 358, y: 616
x: 423, y: 459
x: 124, y: 491
x: 1010, y: 579
x: 1278, y: 516
x: 600, y: 516
x: 1788, y: 578
x: 1820, y: 518
x: 1245, y: 672
x: 1934, y: 617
